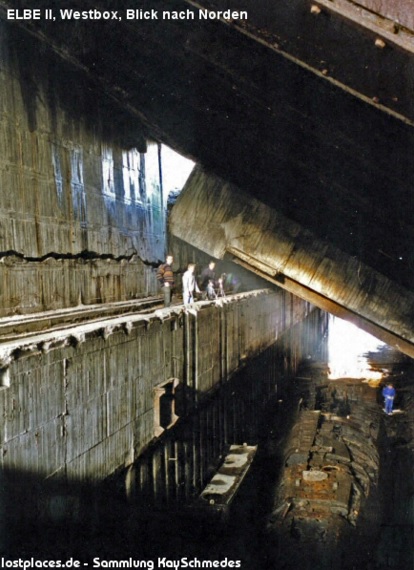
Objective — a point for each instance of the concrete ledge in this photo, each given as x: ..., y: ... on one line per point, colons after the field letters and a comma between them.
x: 75, y: 334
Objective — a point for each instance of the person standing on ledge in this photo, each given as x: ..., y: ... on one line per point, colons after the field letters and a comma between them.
x: 389, y: 394
x: 208, y: 274
x: 189, y: 285
x: 165, y: 277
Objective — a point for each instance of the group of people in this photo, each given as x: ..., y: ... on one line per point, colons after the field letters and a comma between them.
x: 211, y: 287
x: 208, y: 285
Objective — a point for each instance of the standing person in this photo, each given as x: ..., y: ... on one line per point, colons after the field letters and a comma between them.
x: 389, y: 394
x: 211, y: 292
x: 165, y: 277
x: 189, y: 285
x: 221, y: 282
x: 208, y: 274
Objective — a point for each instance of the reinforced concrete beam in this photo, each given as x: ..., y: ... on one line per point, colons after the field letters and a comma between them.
x: 222, y: 220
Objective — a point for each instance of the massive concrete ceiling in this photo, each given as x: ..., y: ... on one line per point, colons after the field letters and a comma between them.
x: 224, y: 221
x: 299, y: 106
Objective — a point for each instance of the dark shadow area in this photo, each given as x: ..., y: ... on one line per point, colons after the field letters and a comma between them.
x: 145, y: 511
x: 395, y: 537
x: 70, y: 87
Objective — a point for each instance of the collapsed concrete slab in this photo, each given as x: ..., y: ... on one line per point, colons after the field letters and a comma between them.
x: 222, y: 220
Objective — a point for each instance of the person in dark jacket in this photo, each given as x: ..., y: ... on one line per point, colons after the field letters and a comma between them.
x: 389, y: 394
x: 165, y: 277
x: 208, y: 274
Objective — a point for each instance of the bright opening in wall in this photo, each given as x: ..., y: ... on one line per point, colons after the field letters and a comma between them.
x: 175, y: 170
x: 348, y: 347
x: 165, y: 406
x: 4, y: 377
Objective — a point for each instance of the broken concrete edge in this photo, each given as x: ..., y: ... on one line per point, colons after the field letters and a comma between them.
x: 13, y: 256
x: 224, y: 484
x: 78, y: 334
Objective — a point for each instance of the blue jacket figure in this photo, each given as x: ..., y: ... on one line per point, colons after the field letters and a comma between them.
x: 389, y: 394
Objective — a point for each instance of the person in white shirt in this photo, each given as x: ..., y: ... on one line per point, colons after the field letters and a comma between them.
x: 189, y: 285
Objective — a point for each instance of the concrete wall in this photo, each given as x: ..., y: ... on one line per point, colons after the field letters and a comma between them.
x: 80, y: 214
x: 85, y: 407
x: 78, y: 405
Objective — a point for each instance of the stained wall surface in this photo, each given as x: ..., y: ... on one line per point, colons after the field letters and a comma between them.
x: 81, y: 216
